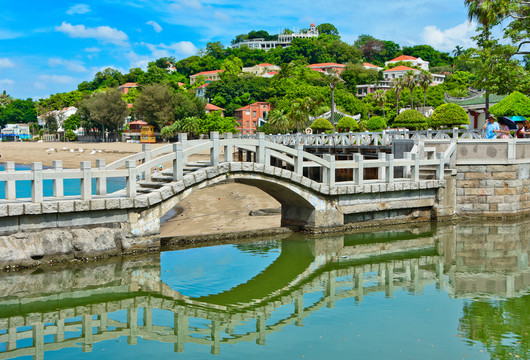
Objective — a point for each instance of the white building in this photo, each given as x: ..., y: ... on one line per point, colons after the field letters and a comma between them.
x: 60, y: 115
x: 398, y: 72
x: 16, y: 131
x: 261, y: 69
x: 411, y: 60
x: 284, y: 40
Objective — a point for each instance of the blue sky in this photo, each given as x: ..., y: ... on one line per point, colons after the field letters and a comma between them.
x: 50, y: 47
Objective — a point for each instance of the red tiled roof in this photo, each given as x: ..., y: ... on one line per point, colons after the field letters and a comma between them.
x: 128, y: 85
x: 138, y: 122
x: 370, y: 65
x: 400, y: 68
x: 248, y: 106
x: 212, y: 107
x: 203, y: 85
x: 208, y: 72
x: 325, y: 65
x: 404, y: 58
x: 129, y: 106
x: 272, y: 72
x: 265, y: 64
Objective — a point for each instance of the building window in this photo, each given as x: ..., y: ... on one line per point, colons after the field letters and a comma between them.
x: 253, y: 114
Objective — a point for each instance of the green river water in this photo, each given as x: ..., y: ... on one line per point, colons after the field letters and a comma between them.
x: 428, y: 292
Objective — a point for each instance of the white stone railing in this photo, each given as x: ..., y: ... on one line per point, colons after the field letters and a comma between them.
x: 178, y: 153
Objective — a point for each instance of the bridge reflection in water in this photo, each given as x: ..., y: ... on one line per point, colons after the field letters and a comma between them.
x: 53, y: 309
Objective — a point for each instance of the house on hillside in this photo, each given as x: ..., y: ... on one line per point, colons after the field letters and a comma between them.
x: 211, y: 108
x: 398, y: 72
x: 13, y: 132
x: 60, y: 115
x: 261, y: 69
x: 127, y: 86
x: 327, y: 67
x: 422, y: 64
x: 209, y: 76
x: 372, y: 66
x: 284, y: 40
x: 200, y: 92
x: 252, y: 116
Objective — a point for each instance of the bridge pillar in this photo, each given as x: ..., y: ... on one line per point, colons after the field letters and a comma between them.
x: 299, y: 309
x: 389, y: 281
x: 180, y: 329
x: 359, y: 285
x: 132, y: 324
x: 216, y: 337
x: 330, y: 288
x: 11, y: 338
x: 260, y: 329
x: 148, y: 318
x: 59, y: 334
x: 86, y: 333
x: 303, y: 217
x: 38, y: 340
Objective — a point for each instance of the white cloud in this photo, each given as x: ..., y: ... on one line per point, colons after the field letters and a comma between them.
x: 7, y: 34
x: 155, y: 25
x: 446, y: 40
x: 221, y: 16
x: 75, y: 66
x: 57, y: 79
x: 182, y: 4
x: 102, y: 33
x: 182, y: 48
x: 93, y: 49
x: 6, y: 63
x: 78, y: 9
x: 7, y: 82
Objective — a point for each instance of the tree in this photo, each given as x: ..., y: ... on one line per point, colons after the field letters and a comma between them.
x: 216, y: 122
x: 459, y: 50
x: 278, y: 120
x: 156, y: 105
x: 409, y: 82
x: 18, y: 111
x: 106, y: 109
x: 398, y: 85
x: 300, y: 110
x: 425, y: 80
x: 376, y: 123
x: 513, y: 104
x: 327, y: 29
x: 448, y: 116
x: 332, y: 78
x: 347, y: 124
x: 321, y: 125
x: 380, y: 99
x: 410, y: 119
x: 72, y: 123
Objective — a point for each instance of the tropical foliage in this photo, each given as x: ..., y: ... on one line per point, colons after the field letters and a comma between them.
x: 410, y: 119
x: 375, y: 123
x: 448, y: 116
x: 513, y: 104
x: 321, y: 125
x: 347, y: 124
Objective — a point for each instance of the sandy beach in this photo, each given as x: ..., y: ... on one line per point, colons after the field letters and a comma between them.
x: 223, y: 208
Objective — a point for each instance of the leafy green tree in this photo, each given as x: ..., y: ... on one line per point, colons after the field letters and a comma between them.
x: 398, y: 85
x: 347, y: 124
x: 409, y: 82
x: 424, y: 81
x: 380, y: 99
x: 321, y: 125
x: 215, y: 122
x: 279, y: 121
x: 72, y: 123
x: 375, y: 123
x: 410, y: 119
x: 70, y: 135
x: 18, y: 111
x: 106, y: 109
x: 50, y: 122
x: 156, y: 105
x: 448, y: 116
x: 232, y: 66
x: 332, y: 79
x: 513, y: 104
x: 327, y: 29
x: 188, y: 106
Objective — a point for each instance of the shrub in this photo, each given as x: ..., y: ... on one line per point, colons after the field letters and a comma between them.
x: 321, y: 125
x: 410, y: 119
x: 347, y: 124
x: 70, y: 135
x: 375, y: 123
x: 448, y: 115
x: 513, y: 104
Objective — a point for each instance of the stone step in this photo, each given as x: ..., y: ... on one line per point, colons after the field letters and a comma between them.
x: 151, y: 184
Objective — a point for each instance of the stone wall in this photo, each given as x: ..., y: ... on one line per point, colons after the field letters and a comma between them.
x: 493, y: 190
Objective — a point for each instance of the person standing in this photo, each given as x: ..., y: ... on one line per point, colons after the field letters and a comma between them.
x: 491, y: 127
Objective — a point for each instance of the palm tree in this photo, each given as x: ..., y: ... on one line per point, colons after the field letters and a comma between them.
x: 300, y: 111
x: 332, y: 78
x: 425, y: 80
x: 380, y: 100
x: 278, y: 120
x: 409, y: 82
x: 459, y: 50
x: 189, y: 125
x: 398, y: 86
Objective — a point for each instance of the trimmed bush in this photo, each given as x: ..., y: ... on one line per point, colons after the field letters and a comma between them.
x: 410, y: 119
x: 347, y: 124
x: 321, y: 125
x: 448, y: 115
x: 513, y: 104
x: 375, y: 123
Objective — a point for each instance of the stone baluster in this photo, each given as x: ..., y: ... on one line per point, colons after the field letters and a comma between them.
x: 86, y: 333
x: 146, y: 149
x: 299, y: 159
x: 406, y: 169
x: 183, y: 139
x: 58, y: 187
x: 441, y: 166
x: 260, y: 150
x: 132, y: 325
x: 359, y: 172
x: 214, y: 150
x: 381, y: 170
x: 228, y: 149
x: 415, y: 175
x: 37, y: 188
x: 86, y: 180
x: 455, y: 135
x: 389, y: 175
x: 131, y: 179
x: 38, y: 340
x: 267, y: 157
x: 180, y: 329
x: 329, y: 173
x: 178, y: 162
x: 11, y: 193
x: 101, y: 181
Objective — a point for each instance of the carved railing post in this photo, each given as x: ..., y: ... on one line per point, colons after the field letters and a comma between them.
x: 329, y: 174
x: 183, y: 139
x: 101, y: 181
x: 381, y: 170
x: 260, y: 150
x: 58, y: 187
x: 441, y: 166
x: 406, y: 169
x: 299, y: 159
x: 178, y: 162
x: 130, y: 191
x: 37, y: 187
x: 415, y: 175
x: 11, y: 193
x: 214, y: 150
x: 228, y: 149
x: 359, y: 173
x: 86, y: 180
x: 389, y: 178
x: 146, y: 149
